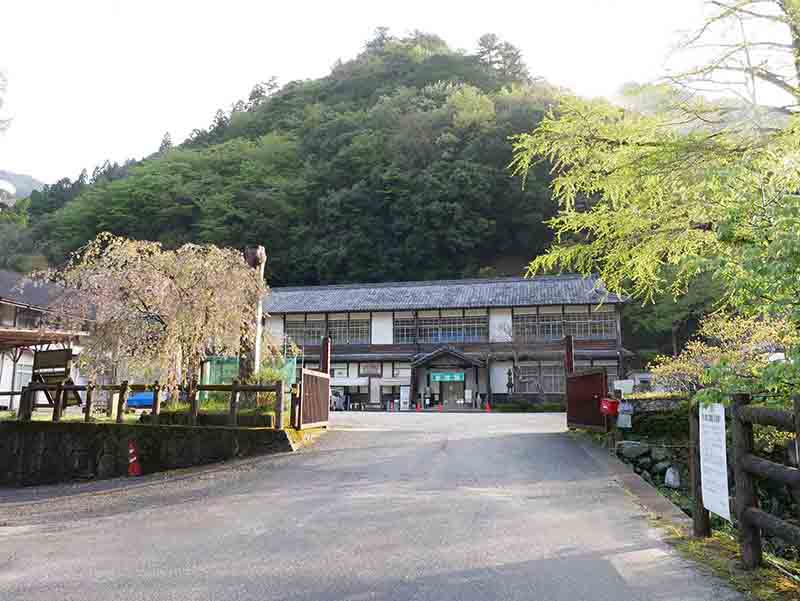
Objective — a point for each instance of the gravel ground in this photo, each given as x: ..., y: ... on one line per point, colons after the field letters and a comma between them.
x: 385, y: 506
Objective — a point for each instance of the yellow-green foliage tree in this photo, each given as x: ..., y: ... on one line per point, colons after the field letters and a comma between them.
x: 653, y: 198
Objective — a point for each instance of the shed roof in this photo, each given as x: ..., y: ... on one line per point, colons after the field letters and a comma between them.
x: 440, y: 294
x: 18, y: 288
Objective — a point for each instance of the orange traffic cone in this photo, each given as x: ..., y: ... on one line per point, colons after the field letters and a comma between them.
x: 134, y: 467
x: 488, y: 407
x: 419, y: 407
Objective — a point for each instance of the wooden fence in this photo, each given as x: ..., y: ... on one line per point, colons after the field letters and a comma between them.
x: 58, y: 394
x: 748, y: 467
x: 311, y: 405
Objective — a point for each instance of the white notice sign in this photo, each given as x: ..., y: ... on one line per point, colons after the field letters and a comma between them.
x: 714, y: 460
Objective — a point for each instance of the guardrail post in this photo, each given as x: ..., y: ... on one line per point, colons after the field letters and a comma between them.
x: 88, y: 408
x: 749, y: 535
x: 234, y: 403
x: 123, y: 398
x: 57, y: 402
x: 701, y: 520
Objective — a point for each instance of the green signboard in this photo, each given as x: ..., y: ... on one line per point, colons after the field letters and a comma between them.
x: 446, y: 376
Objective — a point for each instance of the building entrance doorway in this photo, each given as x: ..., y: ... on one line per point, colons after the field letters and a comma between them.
x: 452, y: 392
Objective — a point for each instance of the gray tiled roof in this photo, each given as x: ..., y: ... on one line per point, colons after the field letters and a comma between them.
x: 18, y: 288
x: 442, y: 294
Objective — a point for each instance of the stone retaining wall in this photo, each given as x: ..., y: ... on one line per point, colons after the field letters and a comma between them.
x: 45, y: 452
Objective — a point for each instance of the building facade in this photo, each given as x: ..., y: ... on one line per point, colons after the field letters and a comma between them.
x: 23, y: 331
x: 454, y: 343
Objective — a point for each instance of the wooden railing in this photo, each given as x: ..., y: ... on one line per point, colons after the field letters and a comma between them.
x: 748, y: 466
x: 58, y: 391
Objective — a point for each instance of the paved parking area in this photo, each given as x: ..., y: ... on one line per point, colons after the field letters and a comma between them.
x: 384, y: 507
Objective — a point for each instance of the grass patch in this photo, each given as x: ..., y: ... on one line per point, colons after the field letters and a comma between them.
x: 720, y: 553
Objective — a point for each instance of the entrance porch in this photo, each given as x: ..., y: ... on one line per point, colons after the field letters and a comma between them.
x: 448, y: 380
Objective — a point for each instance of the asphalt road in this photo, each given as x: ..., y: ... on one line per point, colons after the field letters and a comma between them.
x: 385, y: 506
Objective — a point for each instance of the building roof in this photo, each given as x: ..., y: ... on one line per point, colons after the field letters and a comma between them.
x: 18, y: 288
x: 440, y: 294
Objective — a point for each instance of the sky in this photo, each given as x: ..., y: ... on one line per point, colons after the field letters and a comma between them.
x: 91, y: 80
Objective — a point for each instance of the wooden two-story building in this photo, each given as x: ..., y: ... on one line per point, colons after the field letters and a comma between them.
x: 455, y: 343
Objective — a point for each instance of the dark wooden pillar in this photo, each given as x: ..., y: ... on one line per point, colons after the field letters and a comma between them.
x: 325, y: 356
x: 749, y: 534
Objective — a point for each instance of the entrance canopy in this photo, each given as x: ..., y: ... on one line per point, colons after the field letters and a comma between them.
x: 447, y: 352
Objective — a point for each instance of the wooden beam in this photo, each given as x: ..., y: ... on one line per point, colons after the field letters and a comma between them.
x: 764, y: 468
x: 765, y: 416
x: 757, y: 518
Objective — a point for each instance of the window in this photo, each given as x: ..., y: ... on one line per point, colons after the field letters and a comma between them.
x: 358, y: 331
x: 339, y: 370
x: 525, y: 328
x: 337, y: 330
x: 404, y: 331
x: 315, y: 331
x: 604, y: 326
x: 429, y: 330
x: 551, y: 327
x: 595, y: 326
x: 306, y: 333
x: 476, y: 329
x: 527, y: 378
x: 296, y: 331
x: 552, y: 378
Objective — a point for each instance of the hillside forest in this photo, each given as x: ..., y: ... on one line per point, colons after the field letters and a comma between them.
x: 392, y: 167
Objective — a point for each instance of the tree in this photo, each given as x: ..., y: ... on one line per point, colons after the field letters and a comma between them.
x: 153, y: 309
x: 166, y: 143
x: 503, y: 57
x: 744, y: 349
x: 677, y: 194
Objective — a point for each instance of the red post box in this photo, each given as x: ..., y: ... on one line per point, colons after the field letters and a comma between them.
x: 609, y: 407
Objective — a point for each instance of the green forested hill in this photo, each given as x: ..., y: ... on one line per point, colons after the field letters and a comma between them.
x: 394, y: 166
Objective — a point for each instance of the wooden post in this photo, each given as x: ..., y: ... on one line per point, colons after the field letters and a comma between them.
x: 25, y: 411
x: 87, y: 410
x: 156, y: 411
x: 234, y: 404
x: 278, y: 425
x: 194, y: 404
x: 749, y: 535
x: 58, y: 402
x: 701, y: 520
x: 123, y: 398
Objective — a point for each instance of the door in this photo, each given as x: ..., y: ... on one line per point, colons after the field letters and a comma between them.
x: 452, y: 393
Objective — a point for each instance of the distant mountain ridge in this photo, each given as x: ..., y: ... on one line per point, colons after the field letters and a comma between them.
x: 24, y: 184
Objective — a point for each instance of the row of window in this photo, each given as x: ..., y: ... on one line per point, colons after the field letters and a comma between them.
x: 341, y: 331
x: 550, y: 378
x: 595, y: 326
x: 435, y: 330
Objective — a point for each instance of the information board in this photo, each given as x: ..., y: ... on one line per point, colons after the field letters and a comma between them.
x: 714, y: 460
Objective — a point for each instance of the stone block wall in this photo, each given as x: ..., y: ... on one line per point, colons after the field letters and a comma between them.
x: 45, y: 452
